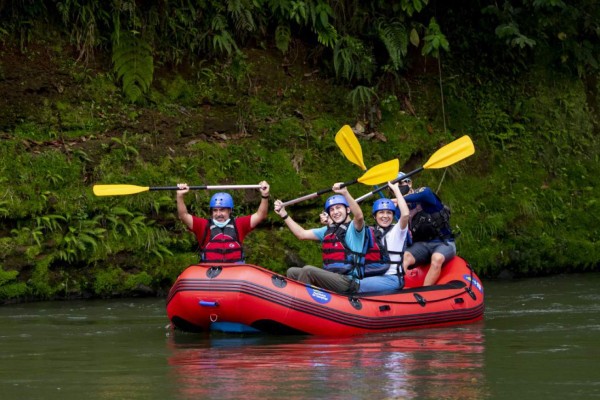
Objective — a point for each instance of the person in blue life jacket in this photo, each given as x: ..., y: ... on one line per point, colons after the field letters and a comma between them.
x: 342, y: 242
x: 221, y: 238
x: 431, y: 233
x: 383, y: 269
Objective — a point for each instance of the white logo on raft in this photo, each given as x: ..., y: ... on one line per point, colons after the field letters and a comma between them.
x: 474, y: 281
x: 318, y: 295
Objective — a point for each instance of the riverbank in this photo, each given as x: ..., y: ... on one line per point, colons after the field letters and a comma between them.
x: 525, y: 204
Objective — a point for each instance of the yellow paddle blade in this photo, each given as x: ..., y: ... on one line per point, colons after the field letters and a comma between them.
x: 348, y: 143
x: 451, y: 153
x: 118, y: 190
x: 381, y: 173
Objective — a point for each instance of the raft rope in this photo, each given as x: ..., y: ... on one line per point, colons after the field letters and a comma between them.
x: 468, y: 290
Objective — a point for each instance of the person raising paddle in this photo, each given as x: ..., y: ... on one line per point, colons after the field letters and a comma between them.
x: 342, y: 242
x: 220, y: 238
x: 383, y: 269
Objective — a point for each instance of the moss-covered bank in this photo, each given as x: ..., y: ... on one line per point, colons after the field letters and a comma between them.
x: 526, y: 202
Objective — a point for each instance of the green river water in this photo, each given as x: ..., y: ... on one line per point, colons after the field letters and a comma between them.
x: 540, y: 339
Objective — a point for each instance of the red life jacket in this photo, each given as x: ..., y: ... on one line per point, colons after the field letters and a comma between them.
x: 377, y: 255
x: 223, y: 244
x: 336, y: 258
x: 377, y: 260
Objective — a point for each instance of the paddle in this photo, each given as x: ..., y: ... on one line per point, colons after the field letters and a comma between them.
x: 348, y: 143
x: 121, y: 190
x: 449, y: 154
x: 383, y: 172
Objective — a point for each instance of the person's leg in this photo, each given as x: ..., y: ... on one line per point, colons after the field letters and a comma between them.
x: 305, y: 274
x: 293, y: 272
x: 441, y: 253
x: 408, y: 261
x: 330, y: 280
x: 300, y: 274
x: 416, y: 254
x: 379, y: 283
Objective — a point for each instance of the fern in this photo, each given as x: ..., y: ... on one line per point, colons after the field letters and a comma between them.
x: 283, y: 38
x: 133, y: 63
x: 241, y: 12
x: 361, y: 97
x: 222, y: 40
x: 327, y: 36
x: 352, y: 60
x: 394, y: 37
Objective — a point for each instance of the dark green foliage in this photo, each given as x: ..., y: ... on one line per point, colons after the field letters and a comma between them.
x: 221, y: 111
x: 133, y: 64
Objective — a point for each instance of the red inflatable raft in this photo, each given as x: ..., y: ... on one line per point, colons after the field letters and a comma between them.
x: 247, y: 298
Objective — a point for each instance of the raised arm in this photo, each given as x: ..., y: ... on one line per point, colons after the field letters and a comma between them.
x: 182, y: 211
x: 402, y: 206
x: 297, y: 230
x: 263, y: 209
x: 359, y: 218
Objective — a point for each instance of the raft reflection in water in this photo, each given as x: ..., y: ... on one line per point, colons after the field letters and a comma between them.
x: 437, y: 363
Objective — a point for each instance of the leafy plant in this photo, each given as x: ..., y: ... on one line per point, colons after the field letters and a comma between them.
x: 394, y: 37
x: 361, y: 97
x: 222, y: 40
x: 81, y: 239
x: 352, y: 60
x: 283, y: 37
x: 127, y: 147
x: 434, y: 40
x: 133, y: 63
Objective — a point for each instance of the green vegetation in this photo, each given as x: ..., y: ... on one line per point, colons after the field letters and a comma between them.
x: 236, y: 92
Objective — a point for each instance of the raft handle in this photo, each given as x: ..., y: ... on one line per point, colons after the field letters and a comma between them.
x: 208, y: 303
x: 420, y: 299
x: 384, y: 308
x: 355, y: 303
x: 213, y: 272
x: 279, y: 281
x: 471, y: 293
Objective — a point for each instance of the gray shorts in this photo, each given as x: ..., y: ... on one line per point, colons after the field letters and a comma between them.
x: 422, y: 251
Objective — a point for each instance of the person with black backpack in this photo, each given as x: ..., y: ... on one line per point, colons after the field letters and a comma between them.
x: 431, y: 232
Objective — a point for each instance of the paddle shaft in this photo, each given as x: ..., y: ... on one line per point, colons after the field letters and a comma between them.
x: 371, y: 193
x: 208, y: 187
x: 316, y: 194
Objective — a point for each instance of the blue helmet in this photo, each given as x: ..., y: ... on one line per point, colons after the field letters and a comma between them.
x: 402, y: 175
x: 221, y: 200
x: 383, y: 204
x: 335, y: 199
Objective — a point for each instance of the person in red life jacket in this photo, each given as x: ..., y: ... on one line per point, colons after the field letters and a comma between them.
x: 220, y: 238
x: 431, y: 233
x: 342, y: 242
x: 383, y: 260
